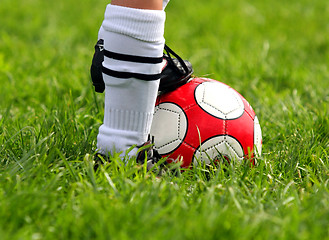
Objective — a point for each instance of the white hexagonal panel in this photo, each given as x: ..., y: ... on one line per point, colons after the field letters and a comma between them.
x: 217, y: 147
x: 219, y: 100
x: 169, y: 127
x: 257, y: 137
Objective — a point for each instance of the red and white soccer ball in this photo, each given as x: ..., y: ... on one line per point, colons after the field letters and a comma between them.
x: 205, y: 120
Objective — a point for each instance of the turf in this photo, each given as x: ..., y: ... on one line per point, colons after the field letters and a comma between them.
x: 275, y: 53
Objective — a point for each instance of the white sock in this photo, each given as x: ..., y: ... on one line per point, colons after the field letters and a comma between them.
x: 133, y: 40
x: 164, y: 4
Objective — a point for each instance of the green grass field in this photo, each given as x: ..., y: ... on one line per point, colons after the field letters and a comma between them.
x: 275, y: 53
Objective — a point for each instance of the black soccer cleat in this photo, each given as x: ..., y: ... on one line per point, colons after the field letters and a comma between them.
x: 147, y: 153
x: 175, y: 72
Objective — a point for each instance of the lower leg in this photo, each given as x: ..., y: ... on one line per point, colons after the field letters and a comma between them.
x: 141, y: 4
x: 130, y: 28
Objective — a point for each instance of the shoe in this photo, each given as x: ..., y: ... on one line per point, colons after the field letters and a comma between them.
x: 100, y: 159
x: 146, y: 152
x: 175, y: 72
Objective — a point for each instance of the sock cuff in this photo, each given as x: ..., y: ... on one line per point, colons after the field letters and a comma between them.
x: 143, y: 24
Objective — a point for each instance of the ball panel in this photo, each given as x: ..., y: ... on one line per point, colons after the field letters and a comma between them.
x: 257, y: 137
x: 219, y: 100
x: 182, y: 96
x: 169, y: 147
x: 201, y: 126
x: 247, y: 108
x: 169, y: 127
x: 184, y: 153
x: 242, y: 130
x: 217, y: 147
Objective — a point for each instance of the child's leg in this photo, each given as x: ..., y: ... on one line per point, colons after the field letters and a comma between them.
x: 141, y: 4
x: 133, y: 41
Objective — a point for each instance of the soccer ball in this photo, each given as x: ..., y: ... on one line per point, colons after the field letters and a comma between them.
x: 203, y: 121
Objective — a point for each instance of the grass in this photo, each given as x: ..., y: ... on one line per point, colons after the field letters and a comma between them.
x: 275, y: 53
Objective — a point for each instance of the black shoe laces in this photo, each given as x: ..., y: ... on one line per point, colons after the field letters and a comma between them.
x: 170, y: 52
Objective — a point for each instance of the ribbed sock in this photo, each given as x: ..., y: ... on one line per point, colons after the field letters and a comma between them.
x: 133, y: 43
